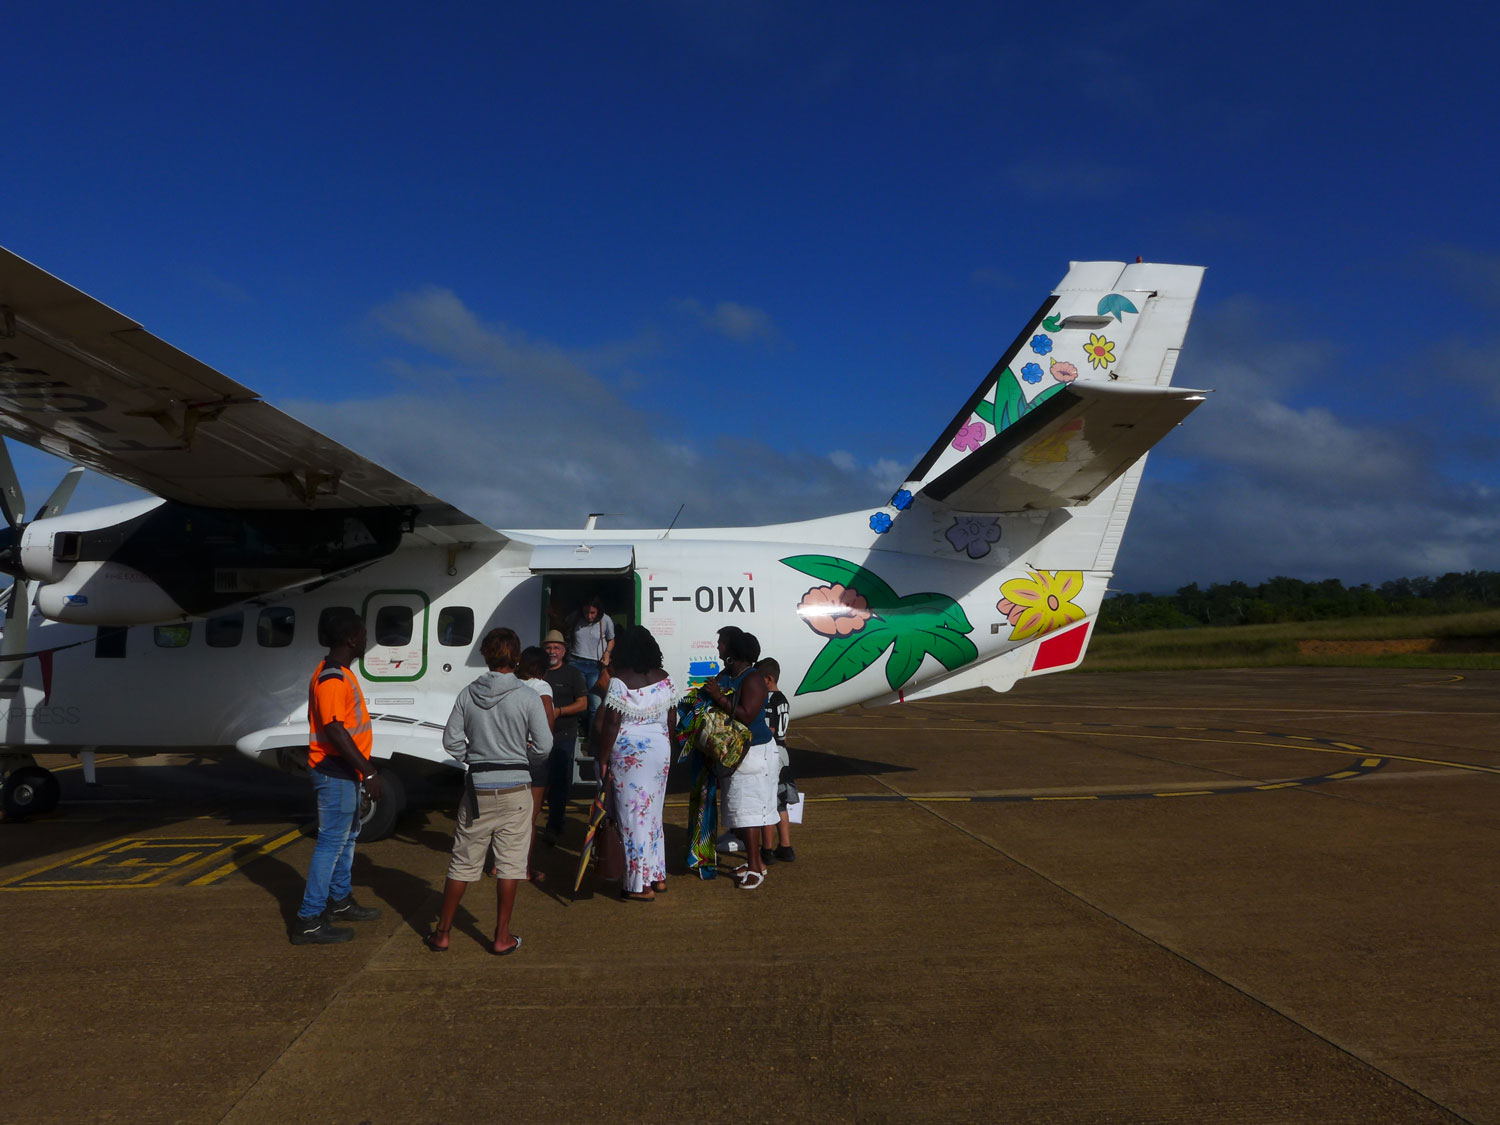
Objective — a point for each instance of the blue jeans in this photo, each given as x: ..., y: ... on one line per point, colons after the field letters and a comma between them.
x: 333, y: 855
x: 590, y: 670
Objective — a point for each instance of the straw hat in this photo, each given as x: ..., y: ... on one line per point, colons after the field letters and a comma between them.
x: 554, y: 637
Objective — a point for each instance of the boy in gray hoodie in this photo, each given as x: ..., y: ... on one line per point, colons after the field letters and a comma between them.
x: 498, y: 728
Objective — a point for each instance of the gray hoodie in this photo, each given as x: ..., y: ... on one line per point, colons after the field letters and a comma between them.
x: 498, y: 721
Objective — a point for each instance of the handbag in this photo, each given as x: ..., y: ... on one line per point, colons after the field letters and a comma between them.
x: 722, y: 739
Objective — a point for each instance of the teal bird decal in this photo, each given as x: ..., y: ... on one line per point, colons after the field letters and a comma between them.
x: 1117, y: 306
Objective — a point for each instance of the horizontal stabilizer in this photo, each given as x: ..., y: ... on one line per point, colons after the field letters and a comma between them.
x: 1067, y: 450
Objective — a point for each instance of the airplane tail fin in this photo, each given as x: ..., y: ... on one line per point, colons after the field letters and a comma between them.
x: 1076, y: 401
x: 1040, y: 467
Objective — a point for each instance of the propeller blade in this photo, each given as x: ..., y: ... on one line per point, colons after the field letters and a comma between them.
x: 61, y: 494
x: 17, y: 618
x: 12, y: 502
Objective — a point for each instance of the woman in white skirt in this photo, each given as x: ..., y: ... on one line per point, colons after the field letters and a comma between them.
x: 750, y: 791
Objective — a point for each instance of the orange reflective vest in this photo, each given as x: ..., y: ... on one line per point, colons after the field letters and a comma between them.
x: 334, y: 696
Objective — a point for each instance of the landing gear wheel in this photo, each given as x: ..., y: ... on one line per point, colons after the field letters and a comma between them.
x: 377, y: 819
x: 29, y: 791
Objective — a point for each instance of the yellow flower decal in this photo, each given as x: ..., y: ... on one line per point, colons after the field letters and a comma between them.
x: 1039, y: 604
x: 1100, y: 351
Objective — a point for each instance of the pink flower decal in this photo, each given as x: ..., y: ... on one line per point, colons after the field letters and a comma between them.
x: 970, y: 437
x: 834, y: 611
x: 1063, y: 372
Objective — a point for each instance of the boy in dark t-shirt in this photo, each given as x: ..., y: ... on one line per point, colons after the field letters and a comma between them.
x: 777, y: 840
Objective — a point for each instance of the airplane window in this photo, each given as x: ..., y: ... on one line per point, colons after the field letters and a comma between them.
x: 224, y: 632
x: 325, y: 619
x: 172, y: 636
x: 109, y: 642
x: 393, y: 626
x: 456, y: 626
x: 274, y: 627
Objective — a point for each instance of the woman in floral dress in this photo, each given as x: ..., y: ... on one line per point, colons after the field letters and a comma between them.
x: 633, y: 740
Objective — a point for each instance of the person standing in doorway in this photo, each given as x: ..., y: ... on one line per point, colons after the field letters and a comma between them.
x: 339, y: 743
x: 591, y: 640
x: 569, y: 701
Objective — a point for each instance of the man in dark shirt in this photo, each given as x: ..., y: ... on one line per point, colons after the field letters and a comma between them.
x: 569, y: 699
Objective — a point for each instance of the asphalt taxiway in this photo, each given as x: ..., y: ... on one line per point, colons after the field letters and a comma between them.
x: 1217, y: 896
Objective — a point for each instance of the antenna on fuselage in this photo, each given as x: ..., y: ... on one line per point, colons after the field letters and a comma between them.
x: 673, y: 524
x: 593, y: 521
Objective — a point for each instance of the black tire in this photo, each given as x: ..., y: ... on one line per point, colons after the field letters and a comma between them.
x: 377, y: 819
x: 30, y: 791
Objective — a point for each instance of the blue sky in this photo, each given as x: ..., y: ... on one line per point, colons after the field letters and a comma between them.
x: 753, y: 256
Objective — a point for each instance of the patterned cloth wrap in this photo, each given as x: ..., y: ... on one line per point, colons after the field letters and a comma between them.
x: 703, y: 783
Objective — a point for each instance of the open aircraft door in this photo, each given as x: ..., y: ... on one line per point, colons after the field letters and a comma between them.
x: 573, y: 572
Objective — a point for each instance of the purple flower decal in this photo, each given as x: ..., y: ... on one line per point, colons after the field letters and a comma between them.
x: 1041, y: 344
x: 880, y: 522
x: 902, y: 500
x: 970, y: 437
x: 974, y: 535
x: 1032, y: 372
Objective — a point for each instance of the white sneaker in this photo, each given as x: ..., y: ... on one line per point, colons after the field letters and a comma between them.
x: 729, y: 842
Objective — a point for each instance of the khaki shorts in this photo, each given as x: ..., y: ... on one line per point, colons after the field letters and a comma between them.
x: 503, y: 820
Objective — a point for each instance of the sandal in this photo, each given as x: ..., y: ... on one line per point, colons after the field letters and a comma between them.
x: 430, y: 940
x: 634, y: 896
x: 660, y: 886
x: 748, y: 880
x: 508, y: 950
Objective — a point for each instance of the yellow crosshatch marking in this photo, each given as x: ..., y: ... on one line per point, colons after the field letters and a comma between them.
x: 132, y: 862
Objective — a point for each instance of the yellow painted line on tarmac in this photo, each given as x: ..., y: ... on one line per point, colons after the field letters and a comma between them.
x: 1368, y: 762
x: 1085, y: 797
x: 1283, y: 784
x: 133, y: 862
x: 1187, y: 793
x: 234, y: 865
x: 97, y: 762
x: 1344, y: 773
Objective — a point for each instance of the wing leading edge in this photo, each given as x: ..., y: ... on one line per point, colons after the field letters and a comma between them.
x: 84, y: 382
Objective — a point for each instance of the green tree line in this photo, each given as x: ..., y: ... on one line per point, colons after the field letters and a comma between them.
x: 1291, y: 599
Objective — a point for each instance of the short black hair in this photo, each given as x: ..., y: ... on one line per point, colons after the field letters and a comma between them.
x: 636, y: 649
x: 342, y: 626
x: 533, y: 662
x: 769, y: 666
x: 741, y: 645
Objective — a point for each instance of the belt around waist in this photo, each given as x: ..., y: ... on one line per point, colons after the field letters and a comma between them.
x: 506, y: 789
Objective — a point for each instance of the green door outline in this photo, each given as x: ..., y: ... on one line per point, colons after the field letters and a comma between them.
x: 416, y: 626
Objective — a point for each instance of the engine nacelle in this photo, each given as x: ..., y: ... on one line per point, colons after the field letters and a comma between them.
x: 50, y: 547
x: 106, y: 593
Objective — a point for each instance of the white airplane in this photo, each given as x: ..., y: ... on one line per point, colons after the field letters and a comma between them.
x: 193, y: 619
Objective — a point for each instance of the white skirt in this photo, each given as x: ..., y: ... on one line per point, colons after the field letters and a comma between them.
x: 750, y: 791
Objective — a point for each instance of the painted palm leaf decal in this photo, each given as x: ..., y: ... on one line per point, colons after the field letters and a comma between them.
x: 862, y: 617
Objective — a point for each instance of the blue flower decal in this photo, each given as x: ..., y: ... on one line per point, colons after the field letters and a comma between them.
x: 1041, y: 344
x: 1032, y: 372
x: 902, y: 500
x: 880, y: 522
x: 974, y: 535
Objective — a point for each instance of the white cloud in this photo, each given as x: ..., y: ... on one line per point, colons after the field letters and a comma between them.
x: 737, y: 322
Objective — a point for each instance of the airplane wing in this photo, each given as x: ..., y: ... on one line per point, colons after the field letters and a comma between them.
x: 88, y: 384
x: 1067, y: 450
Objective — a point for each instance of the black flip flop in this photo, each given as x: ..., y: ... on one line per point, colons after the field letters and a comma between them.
x: 507, y: 952
x: 427, y: 941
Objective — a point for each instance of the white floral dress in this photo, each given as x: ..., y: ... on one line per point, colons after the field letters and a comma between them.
x: 638, y: 767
